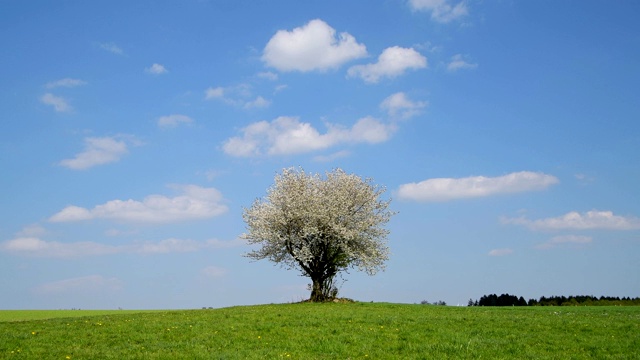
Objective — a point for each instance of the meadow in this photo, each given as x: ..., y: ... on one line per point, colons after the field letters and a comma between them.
x: 326, y: 331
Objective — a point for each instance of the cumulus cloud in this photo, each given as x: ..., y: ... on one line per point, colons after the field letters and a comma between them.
x: 441, y: 10
x: 287, y: 135
x: 59, y: 103
x: 574, y: 220
x: 194, y: 203
x: 500, y: 252
x: 399, y: 106
x: 66, y: 82
x: 99, y: 151
x: 313, y: 46
x: 36, y: 247
x: 171, y: 121
x: 458, y: 63
x: 445, y: 189
x: 565, y: 239
x: 156, y: 69
x: 393, y: 62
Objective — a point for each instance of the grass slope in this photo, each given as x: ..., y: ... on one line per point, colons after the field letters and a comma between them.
x: 23, y: 315
x: 334, y: 331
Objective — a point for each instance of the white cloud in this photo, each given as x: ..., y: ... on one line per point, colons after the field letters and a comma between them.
x: 445, y: 189
x: 313, y: 46
x: 72, y: 213
x: 565, y: 239
x: 66, y: 82
x: 259, y: 102
x: 458, y: 63
x: 194, y: 203
x: 238, y: 95
x: 36, y: 247
x: 171, y: 246
x: 97, y: 151
x: 32, y: 230
x: 59, y: 103
x: 156, y: 69
x: 32, y: 246
x: 87, y: 285
x: 287, y: 135
x: 500, y: 252
x: 399, y: 106
x: 112, y: 48
x: 574, y: 220
x: 441, y: 10
x: 213, y: 93
x: 393, y: 62
x: 171, y: 121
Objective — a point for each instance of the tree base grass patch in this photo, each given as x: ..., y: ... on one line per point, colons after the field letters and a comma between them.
x: 333, y: 331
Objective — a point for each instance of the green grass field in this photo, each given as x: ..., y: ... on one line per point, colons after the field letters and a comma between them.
x: 327, y: 331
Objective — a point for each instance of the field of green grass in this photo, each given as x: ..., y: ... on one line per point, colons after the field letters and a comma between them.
x: 329, y: 331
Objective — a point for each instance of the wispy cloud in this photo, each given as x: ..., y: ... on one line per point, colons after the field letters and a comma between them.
x: 214, y: 93
x: 313, y: 46
x: 112, y: 48
x: 500, y: 252
x: 239, y: 95
x: 193, y: 203
x: 258, y: 102
x: 400, y: 106
x: 66, y: 82
x: 36, y: 247
x: 287, y: 135
x: 59, y: 103
x: 53, y: 249
x: 268, y: 75
x: 565, y: 239
x: 99, y: 151
x: 459, y: 63
x: 574, y: 220
x: 156, y: 69
x: 393, y: 62
x: 445, y: 189
x: 171, y: 121
x: 442, y: 11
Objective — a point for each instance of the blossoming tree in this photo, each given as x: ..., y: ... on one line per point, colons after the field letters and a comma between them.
x: 320, y: 226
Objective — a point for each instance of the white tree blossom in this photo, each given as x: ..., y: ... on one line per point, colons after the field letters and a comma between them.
x: 320, y: 226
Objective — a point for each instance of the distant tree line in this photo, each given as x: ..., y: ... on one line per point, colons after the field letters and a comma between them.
x: 580, y: 300
x: 439, y: 302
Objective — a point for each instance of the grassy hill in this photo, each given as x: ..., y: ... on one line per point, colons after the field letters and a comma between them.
x: 331, y: 331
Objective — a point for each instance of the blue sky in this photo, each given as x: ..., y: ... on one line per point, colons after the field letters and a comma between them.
x: 134, y: 133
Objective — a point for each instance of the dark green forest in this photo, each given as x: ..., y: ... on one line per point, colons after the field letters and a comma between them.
x: 579, y: 300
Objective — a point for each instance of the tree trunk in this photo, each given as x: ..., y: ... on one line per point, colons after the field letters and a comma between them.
x: 322, y: 289
x: 316, y: 291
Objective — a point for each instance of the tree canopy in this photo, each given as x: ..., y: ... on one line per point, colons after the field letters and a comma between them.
x: 320, y: 226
